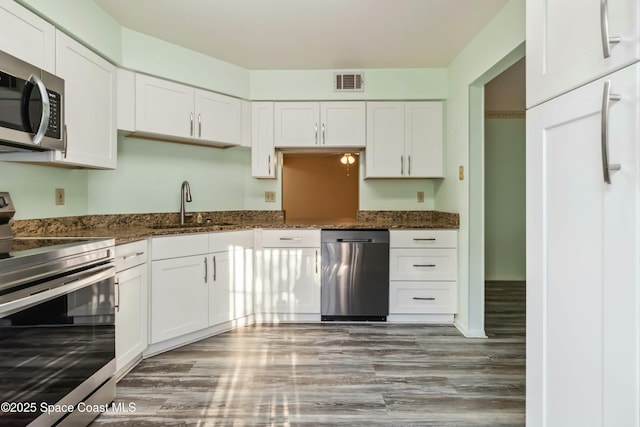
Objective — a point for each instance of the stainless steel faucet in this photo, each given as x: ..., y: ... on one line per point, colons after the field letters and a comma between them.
x: 185, y: 194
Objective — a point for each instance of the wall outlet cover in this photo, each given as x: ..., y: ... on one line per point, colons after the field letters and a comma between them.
x: 270, y: 196
x: 420, y: 196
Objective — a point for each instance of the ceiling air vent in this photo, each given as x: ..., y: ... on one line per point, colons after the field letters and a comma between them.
x: 348, y: 82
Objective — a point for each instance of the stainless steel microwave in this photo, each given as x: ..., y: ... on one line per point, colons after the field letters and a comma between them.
x: 31, y: 107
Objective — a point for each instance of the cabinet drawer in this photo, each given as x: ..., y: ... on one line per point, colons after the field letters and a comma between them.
x: 228, y: 240
x: 131, y: 254
x: 422, y: 264
x: 179, y: 246
x: 422, y: 298
x: 423, y: 238
x: 291, y: 238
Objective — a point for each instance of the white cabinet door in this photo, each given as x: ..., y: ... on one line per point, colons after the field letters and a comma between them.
x: 27, y: 36
x: 385, y: 140
x: 423, y: 139
x: 296, y: 124
x: 565, y: 43
x: 220, y: 288
x: 90, y: 105
x: 218, y: 117
x: 164, y: 108
x: 263, y: 153
x: 179, y: 297
x: 343, y: 124
x: 582, y: 257
x: 291, y: 281
x: 131, y: 315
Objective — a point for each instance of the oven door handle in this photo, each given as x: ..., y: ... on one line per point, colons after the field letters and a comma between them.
x: 64, y: 287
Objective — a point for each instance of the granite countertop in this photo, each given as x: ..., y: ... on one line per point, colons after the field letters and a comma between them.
x: 129, y: 228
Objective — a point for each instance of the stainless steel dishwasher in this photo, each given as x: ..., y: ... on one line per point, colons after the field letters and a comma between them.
x: 355, y: 275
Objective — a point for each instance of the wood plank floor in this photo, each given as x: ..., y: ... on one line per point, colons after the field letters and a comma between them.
x: 339, y: 375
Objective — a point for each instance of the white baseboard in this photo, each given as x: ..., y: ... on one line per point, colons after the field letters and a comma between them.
x: 470, y: 333
x: 439, y: 319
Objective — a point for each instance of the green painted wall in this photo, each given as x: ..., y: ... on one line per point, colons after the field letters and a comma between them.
x: 503, y: 35
x: 380, y: 84
x: 143, y: 53
x: 32, y: 189
x: 150, y: 174
x: 505, y: 220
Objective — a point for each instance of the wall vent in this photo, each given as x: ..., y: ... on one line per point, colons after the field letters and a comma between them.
x: 348, y: 82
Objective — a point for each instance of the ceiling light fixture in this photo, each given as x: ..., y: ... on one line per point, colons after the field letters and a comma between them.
x: 347, y: 159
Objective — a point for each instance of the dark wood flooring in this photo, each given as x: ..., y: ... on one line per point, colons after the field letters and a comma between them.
x: 331, y: 374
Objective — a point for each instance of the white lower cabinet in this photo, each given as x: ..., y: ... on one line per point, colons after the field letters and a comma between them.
x: 231, y: 278
x: 199, y: 281
x: 179, y: 297
x: 287, y: 275
x: 131, y: 304
x: 179, y: 289
x: 423, y: 273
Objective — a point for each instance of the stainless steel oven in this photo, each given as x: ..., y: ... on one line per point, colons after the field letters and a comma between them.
x: 57, y: 329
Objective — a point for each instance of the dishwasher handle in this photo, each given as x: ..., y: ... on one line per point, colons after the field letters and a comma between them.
x: 354, y: 240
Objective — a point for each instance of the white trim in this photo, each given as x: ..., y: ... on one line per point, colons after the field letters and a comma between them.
x: 470, y: 333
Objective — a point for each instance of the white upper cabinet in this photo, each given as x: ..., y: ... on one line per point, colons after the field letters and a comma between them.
x: 404, y: 140
x: 319, y: 124
x: 219, y: 117
x: 164, y: 108
x: 27, y: 36
x: 263, y: 153
x: 567, y: 43
x: 90, y: 105
x: 168, y: 110
x: 245, y: 112
x: 343, y: 124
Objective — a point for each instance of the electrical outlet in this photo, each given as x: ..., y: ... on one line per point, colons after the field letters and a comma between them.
x: 59, y: 196
x: 461, y: 173
x: 420, y: 196
x: 270, y: 196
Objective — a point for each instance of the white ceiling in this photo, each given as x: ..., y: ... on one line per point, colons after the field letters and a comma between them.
x: 312, y: 34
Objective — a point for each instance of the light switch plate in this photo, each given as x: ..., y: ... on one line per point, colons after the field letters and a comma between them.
x: 59, y: 196
x: 270, y: 196
x: 461, y: 173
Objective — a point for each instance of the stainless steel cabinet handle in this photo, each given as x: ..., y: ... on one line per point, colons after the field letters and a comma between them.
x: 206, y: 269
x: 46, y: 109
x: 607, y: 98
x: 116, y: 290
x: 401, y: 165
x: 604, y: 30
x: 269, y: 164
x: 199, y: 127
x: 409, y: 160
x: 324, y: 141
x: 428, y: 239
x: 316, y: 261
x: 424, y: 298
x: 215, y: 269
x: 295, y: 239
x: 316, y: 133
x: 137, y: 254
x: 191, y: 124
x: 424, y: 265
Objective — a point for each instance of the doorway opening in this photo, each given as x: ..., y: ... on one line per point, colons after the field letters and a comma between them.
x: 476, y: 266
x: 504, y: 202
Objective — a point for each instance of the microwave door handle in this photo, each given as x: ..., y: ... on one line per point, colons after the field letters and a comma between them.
x: 46, y: 109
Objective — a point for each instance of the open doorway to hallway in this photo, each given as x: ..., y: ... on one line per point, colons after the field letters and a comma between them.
x: 504, y: 202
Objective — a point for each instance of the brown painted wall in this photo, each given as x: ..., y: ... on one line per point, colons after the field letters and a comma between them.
x: 316, y: 186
